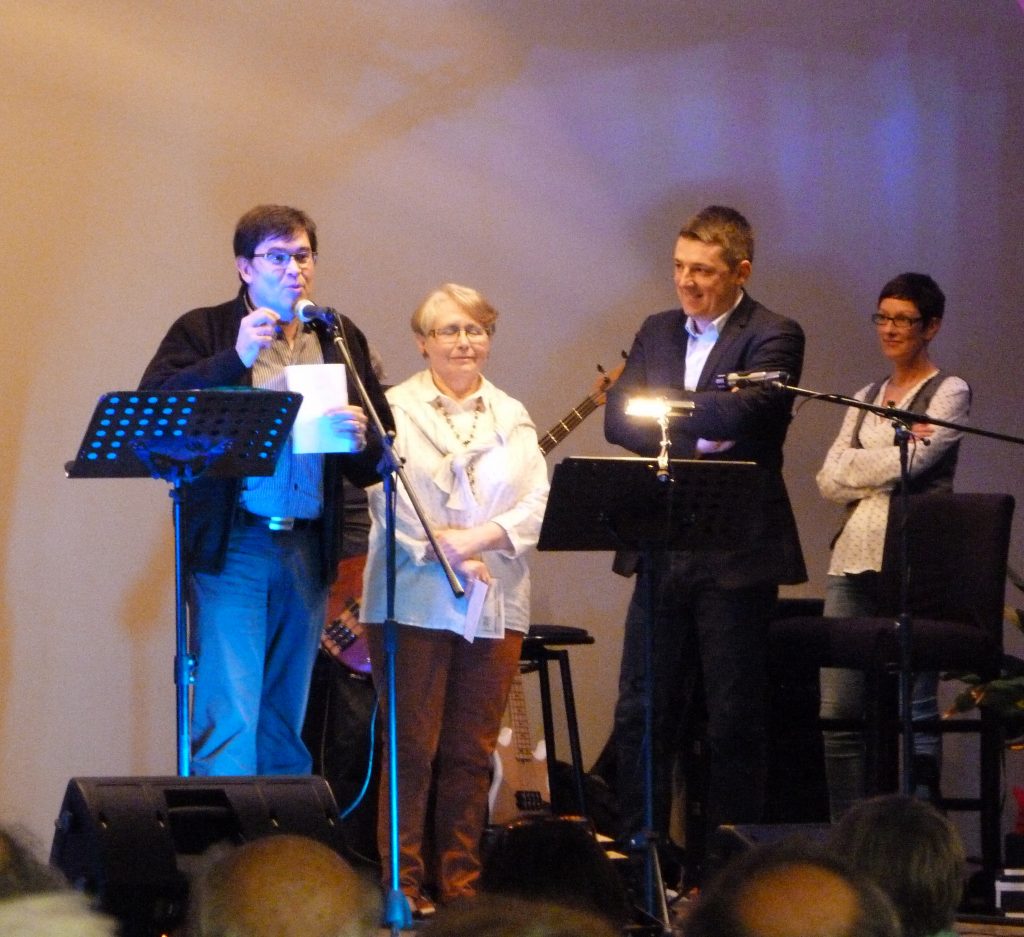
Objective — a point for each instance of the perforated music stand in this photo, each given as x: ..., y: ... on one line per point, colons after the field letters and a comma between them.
x: 604, y: 503
x: 179, y: 436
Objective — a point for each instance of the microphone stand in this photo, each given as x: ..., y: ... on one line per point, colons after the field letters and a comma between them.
x: 397, y: 915
x: 902, y: 420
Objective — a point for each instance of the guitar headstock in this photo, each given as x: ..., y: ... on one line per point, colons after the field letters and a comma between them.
x: 604, y: 381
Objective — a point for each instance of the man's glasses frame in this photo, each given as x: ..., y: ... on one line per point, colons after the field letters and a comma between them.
x: 280, y: 258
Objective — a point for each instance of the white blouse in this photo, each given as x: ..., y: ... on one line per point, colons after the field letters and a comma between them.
x: 469, y: 462
x: 868, y: 475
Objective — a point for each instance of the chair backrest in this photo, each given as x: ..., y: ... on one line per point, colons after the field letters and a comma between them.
x: 958, y: 546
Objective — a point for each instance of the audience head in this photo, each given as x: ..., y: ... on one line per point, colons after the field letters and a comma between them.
x: 35, y: 900
x: 790, y: 890
x: 502, y: 916
x: 912, y: 852
x: 280, y: 886
x: 21, y: 873
x: 557, y: 860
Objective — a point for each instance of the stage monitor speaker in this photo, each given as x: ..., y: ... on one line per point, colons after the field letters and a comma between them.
x: 133, y: 842
x: 731, y: 840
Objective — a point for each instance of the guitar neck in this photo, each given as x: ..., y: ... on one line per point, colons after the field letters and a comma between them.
x: 568, y: 423
x: 520, y: 720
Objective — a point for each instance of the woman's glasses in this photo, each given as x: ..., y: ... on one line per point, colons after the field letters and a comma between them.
x: 450, y: 333
x: 903, y: 323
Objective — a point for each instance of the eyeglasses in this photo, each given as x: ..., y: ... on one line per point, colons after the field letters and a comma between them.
x: 903, y: 323
x: 281, y: 258
x: 450, y: 333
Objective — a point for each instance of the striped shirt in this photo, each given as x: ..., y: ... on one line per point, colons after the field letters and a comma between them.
x: 296, y: 487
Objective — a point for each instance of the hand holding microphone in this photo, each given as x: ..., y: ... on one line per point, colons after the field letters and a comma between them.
x: 255, y: 331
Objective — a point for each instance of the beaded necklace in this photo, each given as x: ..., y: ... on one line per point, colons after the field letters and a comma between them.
x: 470, y: 472
x: 472, y: 427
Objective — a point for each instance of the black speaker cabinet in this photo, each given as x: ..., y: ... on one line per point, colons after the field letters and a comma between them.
x: 132, y: 842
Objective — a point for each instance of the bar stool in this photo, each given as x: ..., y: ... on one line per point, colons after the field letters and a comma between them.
x: 542, y: 645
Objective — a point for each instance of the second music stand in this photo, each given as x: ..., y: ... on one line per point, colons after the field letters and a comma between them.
x: 606, y: 503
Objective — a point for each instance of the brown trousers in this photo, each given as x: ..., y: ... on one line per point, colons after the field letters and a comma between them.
x: 451, y: 697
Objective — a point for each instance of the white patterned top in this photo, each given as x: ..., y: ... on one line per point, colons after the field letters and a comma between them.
x: 864, y: 478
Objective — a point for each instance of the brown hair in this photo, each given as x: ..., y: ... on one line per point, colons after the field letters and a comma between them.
x: 726, y: 227
x: 266, y: 221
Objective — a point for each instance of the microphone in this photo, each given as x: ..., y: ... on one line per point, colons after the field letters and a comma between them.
x: 307, y: 311
x: 747, y: 378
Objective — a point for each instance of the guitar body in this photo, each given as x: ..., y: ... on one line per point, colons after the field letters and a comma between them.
x: 343, y: 637
x: 519, y: 783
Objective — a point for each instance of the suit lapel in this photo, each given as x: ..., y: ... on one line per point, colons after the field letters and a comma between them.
x: 721, y: 358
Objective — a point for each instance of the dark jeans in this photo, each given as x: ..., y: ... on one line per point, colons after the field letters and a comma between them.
x: 703, y: 636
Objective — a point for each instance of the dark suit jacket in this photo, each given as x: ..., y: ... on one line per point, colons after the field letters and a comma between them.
x: 757, y: 418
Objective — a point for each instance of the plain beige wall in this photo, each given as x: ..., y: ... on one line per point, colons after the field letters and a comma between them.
x: 544, y: 152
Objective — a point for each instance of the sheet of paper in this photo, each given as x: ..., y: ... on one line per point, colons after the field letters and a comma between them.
x: 476, y: 592
x: 322, y: 387
x: 485, y: 615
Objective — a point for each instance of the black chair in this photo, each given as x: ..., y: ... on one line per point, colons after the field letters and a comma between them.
x: 957, y: 545
x: 545, y: 644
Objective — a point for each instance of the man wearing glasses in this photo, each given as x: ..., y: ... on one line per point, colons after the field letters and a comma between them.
x: 262, y: 552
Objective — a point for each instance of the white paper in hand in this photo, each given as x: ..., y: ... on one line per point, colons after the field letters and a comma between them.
x: 476, y: 592
x: 322, y: 387
x: 484, y: 619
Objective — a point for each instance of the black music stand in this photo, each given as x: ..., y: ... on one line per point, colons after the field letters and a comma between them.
x: 179, y: 436
x: 604, y: 503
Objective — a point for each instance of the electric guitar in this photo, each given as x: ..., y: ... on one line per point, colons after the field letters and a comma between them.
x: 519, y: 780
x: 343, y: 637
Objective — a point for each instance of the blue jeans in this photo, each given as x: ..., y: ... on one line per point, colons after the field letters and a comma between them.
x: 255, y: 630
x: 842, y: 697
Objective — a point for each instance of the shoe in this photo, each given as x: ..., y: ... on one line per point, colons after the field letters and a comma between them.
x: 421, y: 906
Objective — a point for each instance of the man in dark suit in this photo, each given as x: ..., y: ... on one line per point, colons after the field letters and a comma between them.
x: 710, y: 606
